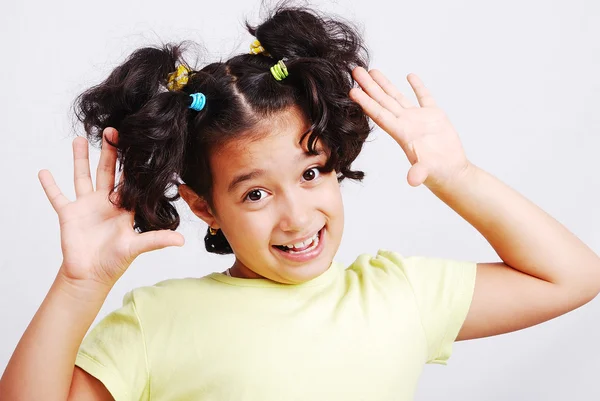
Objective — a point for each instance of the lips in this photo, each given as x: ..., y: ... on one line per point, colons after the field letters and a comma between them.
x: 299, y: 256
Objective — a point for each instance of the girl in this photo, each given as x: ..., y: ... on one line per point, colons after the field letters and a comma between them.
x: 257, y: 146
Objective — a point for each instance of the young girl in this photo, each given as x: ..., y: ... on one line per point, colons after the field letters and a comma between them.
x: 257, y: 146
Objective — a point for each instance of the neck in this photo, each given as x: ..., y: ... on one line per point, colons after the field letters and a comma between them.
x: 238, y: 269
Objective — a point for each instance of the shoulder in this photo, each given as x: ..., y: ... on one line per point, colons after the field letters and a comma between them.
x: 387, y: 263
x: 164, y: 305
x: 168, y: 295
x: 383, y: 261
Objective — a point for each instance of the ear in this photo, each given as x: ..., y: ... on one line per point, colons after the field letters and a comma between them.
x: 198, y: 205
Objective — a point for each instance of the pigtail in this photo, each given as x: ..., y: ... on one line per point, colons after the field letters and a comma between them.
x: 126, y: 90
x: 295, y: 32
x: 153, y: 129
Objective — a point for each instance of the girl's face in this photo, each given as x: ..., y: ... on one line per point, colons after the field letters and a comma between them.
x: 269, y: 193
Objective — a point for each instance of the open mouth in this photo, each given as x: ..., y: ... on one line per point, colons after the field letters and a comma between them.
x: 303, y: 247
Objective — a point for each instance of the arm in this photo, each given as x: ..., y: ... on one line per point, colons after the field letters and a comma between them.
x: 42, y: 366
x: 546, y: 270
x: 98, y: 244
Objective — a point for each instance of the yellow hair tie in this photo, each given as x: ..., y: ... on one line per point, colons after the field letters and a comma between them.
x: 179, y: 78
x: 279, y: 70
x: 256, y: 48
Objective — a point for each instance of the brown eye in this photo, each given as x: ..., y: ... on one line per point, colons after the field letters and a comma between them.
x: 254, y: 195
x: 311, y: 174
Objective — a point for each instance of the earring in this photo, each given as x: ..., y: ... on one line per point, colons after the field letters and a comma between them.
x: 212, y: 231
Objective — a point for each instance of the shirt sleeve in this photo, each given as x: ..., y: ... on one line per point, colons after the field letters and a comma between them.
x: 443, y: 291
x: 114, y: 352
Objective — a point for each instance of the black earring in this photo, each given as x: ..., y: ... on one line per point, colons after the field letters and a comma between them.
x: 215, y: 242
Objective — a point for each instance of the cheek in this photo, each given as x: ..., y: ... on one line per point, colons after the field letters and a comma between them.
x: 330, y: 200
x: 332, y: 207
x: 241, y: 224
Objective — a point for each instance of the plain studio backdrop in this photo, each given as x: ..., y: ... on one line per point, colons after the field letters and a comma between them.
x: 519, y: 81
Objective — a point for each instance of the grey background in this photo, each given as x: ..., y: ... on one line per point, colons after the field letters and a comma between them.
x: 519, y: 81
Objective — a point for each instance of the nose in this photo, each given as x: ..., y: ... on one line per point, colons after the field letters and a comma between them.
x: 294, y: 211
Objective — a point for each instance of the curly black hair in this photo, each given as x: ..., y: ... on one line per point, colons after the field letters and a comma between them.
x: 163, y: 142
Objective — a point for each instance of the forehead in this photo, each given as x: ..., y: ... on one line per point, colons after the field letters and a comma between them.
x: 272, y: 144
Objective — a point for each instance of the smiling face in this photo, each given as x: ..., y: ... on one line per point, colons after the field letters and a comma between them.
x: 270, y: 194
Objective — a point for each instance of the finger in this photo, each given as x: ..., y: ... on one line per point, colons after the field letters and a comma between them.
x: 417, y: 174
x: 382, y: 117
x: 390, y: 89
x: 423, y: 95
x: 53, y: 192
x: 81, y: 167
x: 368, y: 84
x: 105, y: 174
x: 153, y: 240
x: 118, y: 189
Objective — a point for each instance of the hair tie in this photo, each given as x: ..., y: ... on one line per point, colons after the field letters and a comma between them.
x: 257, y: 48
x: 198, y: 101
x: 279, y: 70
x: 179, y: 78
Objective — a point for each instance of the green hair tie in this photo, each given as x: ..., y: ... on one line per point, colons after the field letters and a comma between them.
x: 279, y: 70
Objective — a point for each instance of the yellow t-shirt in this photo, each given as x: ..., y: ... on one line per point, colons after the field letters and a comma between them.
x: 358, y: 333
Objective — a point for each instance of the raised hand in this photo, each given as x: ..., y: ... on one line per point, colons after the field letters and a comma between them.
x: 97, y: 239
x: 425, y: 134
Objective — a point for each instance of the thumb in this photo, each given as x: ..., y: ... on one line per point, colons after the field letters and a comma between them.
x: 153, y: 240
x: 417, y: 174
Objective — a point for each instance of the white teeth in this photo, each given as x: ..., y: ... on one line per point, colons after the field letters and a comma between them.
x: 304, y: 243
x: 313, y: 246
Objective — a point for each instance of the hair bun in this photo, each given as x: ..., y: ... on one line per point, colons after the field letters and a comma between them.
x: 301, y: 32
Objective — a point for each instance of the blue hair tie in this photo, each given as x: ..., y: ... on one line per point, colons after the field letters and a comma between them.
x: 198, y: 102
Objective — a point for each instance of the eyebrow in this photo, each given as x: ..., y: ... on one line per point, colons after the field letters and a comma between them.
x: 244, y: 177
x: 240, y: 178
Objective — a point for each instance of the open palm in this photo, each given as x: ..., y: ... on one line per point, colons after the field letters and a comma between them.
x: 424, y: 133
x: 97, y: 238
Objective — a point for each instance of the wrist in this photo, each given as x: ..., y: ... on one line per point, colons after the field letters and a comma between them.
x: 454, y: 182
x: 80, y: 290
